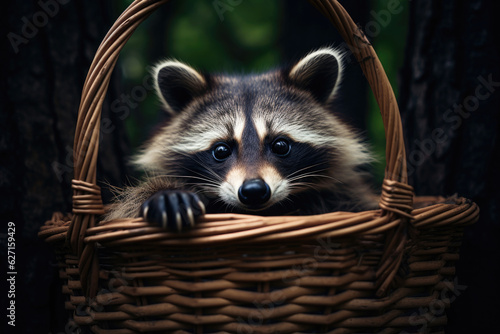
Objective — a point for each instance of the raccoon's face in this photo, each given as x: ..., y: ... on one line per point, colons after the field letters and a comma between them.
x: 253, y: 142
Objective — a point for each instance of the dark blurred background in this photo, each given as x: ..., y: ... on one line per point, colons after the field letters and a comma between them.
x: 436, y: 54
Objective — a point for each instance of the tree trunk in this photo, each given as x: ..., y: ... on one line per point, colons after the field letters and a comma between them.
x: 46, y: 55
x: 450, y: 102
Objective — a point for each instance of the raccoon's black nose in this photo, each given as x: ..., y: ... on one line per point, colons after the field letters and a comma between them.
x: 254, y: 192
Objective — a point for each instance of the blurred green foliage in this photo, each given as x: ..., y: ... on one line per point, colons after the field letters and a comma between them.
x: 389, y: 44
x: 239, y: 36
x: 231, y: 38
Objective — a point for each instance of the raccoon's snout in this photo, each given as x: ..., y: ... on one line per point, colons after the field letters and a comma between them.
x: 254, y: 192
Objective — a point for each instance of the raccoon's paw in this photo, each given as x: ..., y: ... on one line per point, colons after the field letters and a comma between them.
x: 173, y: 209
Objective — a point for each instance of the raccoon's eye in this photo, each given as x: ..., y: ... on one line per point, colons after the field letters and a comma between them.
x: 281, y: 147
x: 221, y: 151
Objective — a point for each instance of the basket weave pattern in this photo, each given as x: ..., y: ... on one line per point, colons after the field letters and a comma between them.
x: 374, y: 271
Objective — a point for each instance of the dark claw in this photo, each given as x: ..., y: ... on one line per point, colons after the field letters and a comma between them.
x: 173, y: 209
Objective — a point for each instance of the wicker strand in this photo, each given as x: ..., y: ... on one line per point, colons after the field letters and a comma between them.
x: 87, y: 203
x: 87, y: 198
x: 397, y: 197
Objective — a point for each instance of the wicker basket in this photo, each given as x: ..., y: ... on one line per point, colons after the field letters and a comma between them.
x: 389, y: 270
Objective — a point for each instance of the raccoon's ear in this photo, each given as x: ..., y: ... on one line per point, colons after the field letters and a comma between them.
x: 177, y: 84
x: 318, y: 73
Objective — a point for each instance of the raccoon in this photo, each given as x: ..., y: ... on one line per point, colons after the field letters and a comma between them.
x: 266, y: 144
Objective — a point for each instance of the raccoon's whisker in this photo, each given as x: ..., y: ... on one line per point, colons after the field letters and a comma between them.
x: 228, y: 207
x: 303, y: 176
x: 306, y: 168
x: 286, y: 199
x: 205, y: 185
x: 201, y: 187
x: 315, y: 172
x: 115, y: 190
x: 212, y: 173
x: 315, y: 185
x: 313, y: 176
x: 207, y: 180
x: 210, y: 188
x: 194, y: 177
x: 200, y: 177
x: 306, y: 175
x: 302, y: 185
x: 202, y: 164
x: 205, y: 191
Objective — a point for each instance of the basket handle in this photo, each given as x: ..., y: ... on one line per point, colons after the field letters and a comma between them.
x: 397, y: 195
x: 87, y: 203
x: 379, y: 83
